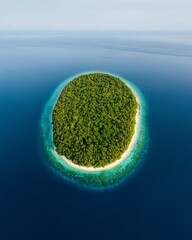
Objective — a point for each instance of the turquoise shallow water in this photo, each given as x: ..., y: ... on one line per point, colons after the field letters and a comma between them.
x: 98, y: 180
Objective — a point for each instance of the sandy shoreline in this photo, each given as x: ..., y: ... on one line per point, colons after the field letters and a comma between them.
x: 117, y: 162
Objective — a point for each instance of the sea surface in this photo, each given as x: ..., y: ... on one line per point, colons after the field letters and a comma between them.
x: 153, y: 203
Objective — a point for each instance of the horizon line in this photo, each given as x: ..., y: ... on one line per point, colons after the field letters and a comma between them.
x: 95, y: 30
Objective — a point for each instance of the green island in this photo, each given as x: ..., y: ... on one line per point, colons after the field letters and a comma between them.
x: 94, y: 119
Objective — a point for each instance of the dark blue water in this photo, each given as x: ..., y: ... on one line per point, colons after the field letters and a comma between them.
x: 156, y: 202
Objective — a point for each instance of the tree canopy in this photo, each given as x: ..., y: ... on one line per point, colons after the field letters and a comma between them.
x: 94, y: 119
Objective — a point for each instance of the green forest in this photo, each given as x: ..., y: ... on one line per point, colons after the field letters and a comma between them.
x: 93, y: 120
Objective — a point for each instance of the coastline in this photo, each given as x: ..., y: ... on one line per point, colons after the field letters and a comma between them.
x: 101, y: 178
x: 117, y: 162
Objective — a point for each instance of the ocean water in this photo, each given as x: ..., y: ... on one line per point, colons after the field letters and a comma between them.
x: 156, y: 201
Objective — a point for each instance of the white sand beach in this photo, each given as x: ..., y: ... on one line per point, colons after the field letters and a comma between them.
x: 117, y: 162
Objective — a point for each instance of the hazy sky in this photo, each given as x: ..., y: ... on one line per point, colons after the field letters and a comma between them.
x: 97, y: 14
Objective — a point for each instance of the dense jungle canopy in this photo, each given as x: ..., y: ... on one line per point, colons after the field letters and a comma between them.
x: 94, y: 119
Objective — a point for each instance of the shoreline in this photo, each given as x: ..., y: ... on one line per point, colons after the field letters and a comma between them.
x: 117, y: 162
x: 99, y: 179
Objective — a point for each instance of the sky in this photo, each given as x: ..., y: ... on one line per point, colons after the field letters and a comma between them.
x: 96, y: 14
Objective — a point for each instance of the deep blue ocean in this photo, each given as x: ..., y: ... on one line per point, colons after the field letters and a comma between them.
x: 153, y: 203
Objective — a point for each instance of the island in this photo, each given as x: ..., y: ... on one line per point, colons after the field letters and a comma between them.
x: 94, y: 121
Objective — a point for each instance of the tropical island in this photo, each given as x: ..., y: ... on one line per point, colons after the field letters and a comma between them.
x: 94, y: 120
